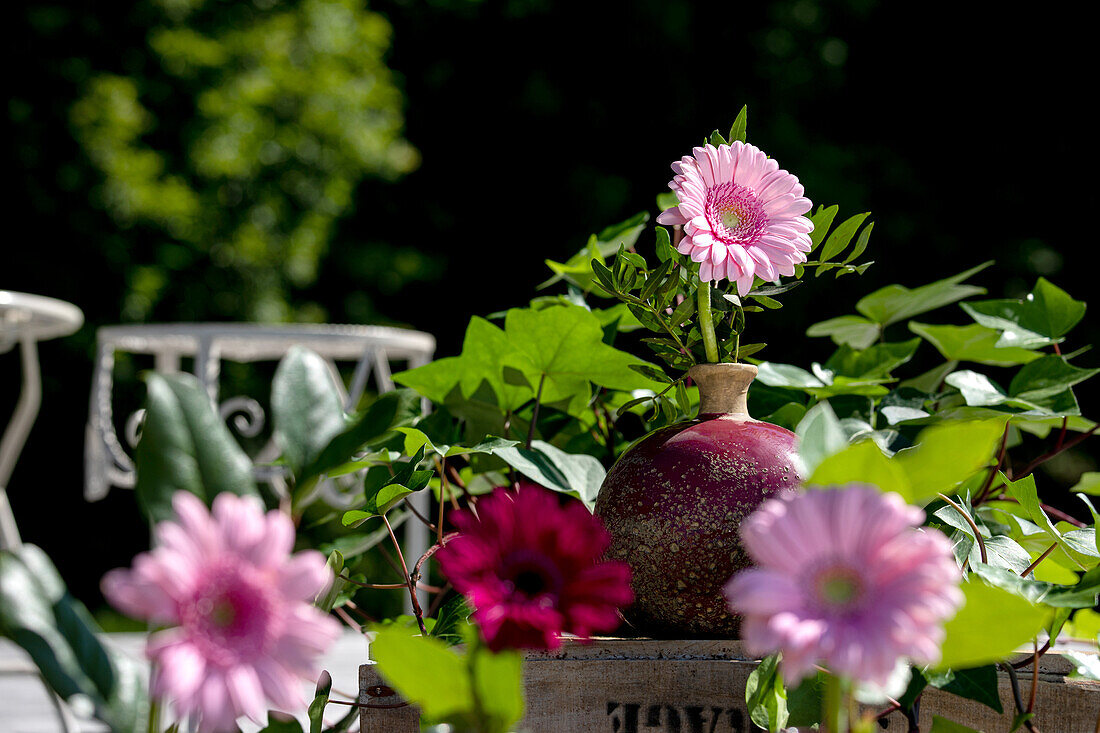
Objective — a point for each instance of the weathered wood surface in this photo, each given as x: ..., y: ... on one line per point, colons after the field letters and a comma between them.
x: 646, y: 686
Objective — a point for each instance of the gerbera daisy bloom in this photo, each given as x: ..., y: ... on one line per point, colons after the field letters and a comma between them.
x: 741, y: 215
x: 845, y: 579
x: 244, y: 630
x: 532, y: 569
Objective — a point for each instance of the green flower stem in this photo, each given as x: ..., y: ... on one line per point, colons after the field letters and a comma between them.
x: 706, y: 323
x: 836, y: 706
x: 153, y: 722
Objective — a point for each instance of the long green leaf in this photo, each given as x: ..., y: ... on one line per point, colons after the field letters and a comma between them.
x: 38, y: 613
x: 185, y: 446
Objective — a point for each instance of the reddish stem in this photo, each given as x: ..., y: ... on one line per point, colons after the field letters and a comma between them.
x: 417, y: 611
x: 977, y: 534
x: 1039, y: 559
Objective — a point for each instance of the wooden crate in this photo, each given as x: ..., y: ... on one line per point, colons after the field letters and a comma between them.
x: 646, y: 686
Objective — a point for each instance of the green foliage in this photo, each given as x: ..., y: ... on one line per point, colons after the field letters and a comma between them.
x: 185, y: 446
x: 991, y: 625
x: 475, y: 690
x: 293, y: 107
x: 56, y: 630
x: 978, y: 684
x: 306, y: 407
x: 578, y: 475
x: 765, y: 695
x: 391, y: 410
x: 316, y: 710
x: 1041, y: 319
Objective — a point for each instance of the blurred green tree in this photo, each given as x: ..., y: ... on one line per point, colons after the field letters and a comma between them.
x: 241, y: 146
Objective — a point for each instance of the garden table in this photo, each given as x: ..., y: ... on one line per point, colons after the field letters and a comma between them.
x: 26, y: 320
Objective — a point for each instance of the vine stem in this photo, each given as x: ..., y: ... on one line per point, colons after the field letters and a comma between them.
x: 1065, y: 445
x: 535, y: 413
x: 417, y: 611
x: 706, y: 323
x: 444, y: 490
x: 977, y: 534
x: 1038, y: 560
x: 1015, y: 683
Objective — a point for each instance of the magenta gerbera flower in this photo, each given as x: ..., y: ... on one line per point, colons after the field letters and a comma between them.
x: 532, y: 569
x: 741, y: 214
x: 847, y: 580
x: 244, y: 630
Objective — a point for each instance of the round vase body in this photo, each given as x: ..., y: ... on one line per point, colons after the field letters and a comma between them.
x: 674, y: 503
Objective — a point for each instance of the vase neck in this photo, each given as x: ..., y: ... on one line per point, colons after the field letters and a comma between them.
x: 723, y: 388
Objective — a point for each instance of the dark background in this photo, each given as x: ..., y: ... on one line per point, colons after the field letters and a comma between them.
x: 538, y: 123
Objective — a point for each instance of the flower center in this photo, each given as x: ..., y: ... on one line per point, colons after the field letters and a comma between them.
x: 229, y: 616
x: 839, y: 587
x: 735, y: 214
x: 532, y: 574
x: 530, y: 582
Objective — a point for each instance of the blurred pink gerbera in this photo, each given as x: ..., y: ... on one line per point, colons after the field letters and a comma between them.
x: 532, y: 569
x: 845, y: 579
x: 741, y: 215
x: 245, y: 631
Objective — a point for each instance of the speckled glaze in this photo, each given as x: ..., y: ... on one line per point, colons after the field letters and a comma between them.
x: 673, y: 504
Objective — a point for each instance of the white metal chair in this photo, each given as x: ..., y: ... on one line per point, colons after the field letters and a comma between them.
x: 372, y: 349
x: 26, y: 320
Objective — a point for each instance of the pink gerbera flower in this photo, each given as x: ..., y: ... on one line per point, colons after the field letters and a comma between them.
x: 845, y: 579
x: 244, y: 631
x: 741, y: 215
x: 532, y: 569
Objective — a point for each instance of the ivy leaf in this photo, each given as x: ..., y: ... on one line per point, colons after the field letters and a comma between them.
x: 1047, y: 376
x: 819, y: 436
x: 876, y: 361
x: 974, y: 343
x: 425, y: 670
x: 498, y: 681
x: 452, y: 620
x: 486, y: 351
x: 992, y: 624
x: 1081, y: 595
x: 1043, y: 317
x: 1026, y: 493
x: 576, y: 474
x: 1089, y: 483
x: 979, y: 684
x: 577, y: 270
x: 1002, y: 552
x: 861, y: 462
x: 945, y: 455
x: 854, y: 331
x: 384, y: 490
x: 185, y: 446
x: 895, y: 303
x: 563, y: 348
x: 416, y: 439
